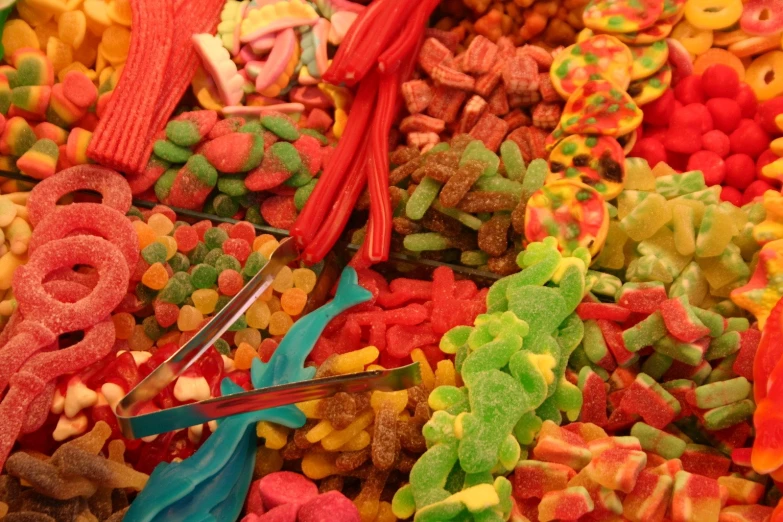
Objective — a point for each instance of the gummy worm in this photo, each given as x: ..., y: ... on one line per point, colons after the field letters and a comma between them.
x: 320, y: 202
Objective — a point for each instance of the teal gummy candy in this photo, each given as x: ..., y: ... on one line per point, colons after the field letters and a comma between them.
x: 727, y: 416
x: 644, y: 333
x: 422, y: 197
x: 656, y: 365
x: 497, y: 400
x: 179, y: 262
x: 426, y: 241
x: 512, y: 160
x: 154, y: 253
x: 722, y: 346
x: 227, y: 262
x: 478, y: 152
x: 722, y: 393
x: 676, y: 185
x: 171, y: 152
x: 657, y: 441
x: 281, y: 126
x: 203, y: 276
x: 215, y: 237
x: 542, y: 308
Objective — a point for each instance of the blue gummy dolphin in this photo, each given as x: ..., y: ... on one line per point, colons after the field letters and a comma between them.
x: 212, y: 484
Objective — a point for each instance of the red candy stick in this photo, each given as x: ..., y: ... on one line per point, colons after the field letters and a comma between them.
x: 391, y: 59
x: 46, y: 317
x: 355, y: 40
x: 333, y: 177
x: 111, y: 185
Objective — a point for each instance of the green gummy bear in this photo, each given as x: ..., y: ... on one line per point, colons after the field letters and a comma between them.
x: 449, y: 398
x: 497, y: 400
x: 508, y: 322
x: 508, y: 455
x: 429, y: 474
x: 527, y: 427
x: 454, y: 338
x: 569, y: 334
x: 503, y: 487
x: 403, y: 505
x: 491, y: 356
x: 534, y: 373
x: 474, y: 479
x: 543, y: 308
x: 568, y: 399
x: 571, y: 282
x: 548, y: 411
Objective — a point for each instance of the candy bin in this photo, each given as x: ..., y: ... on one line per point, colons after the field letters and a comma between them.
x: 388, y: 260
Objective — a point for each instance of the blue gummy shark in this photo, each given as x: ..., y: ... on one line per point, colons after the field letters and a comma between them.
x: 212, y: 484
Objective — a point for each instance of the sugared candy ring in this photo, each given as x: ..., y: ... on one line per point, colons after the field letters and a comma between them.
x: 765, y: 75
x: 111, y: 185
x: 762, y: 17
x: 601, y: 56
x: 573, y: 213
x: 622, y: 16
x: 99, y: 220
x: 713, y: 14
x: 36, y: 304
x: 596, y: 161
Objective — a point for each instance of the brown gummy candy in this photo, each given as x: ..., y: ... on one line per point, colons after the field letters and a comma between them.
x: 385, y: 444
x: 352, y: 460
x: 405, y: 462
x: 59, y: 510
x: 403, y: 155
x: 459, y: 184
x: 405, y: 226
x: 432, y: 170
x: 340, y: 410
x: 518, y: 216
x: 28, y: 516
x: 505, y: 264
x: 46, y: 479
x: 440, y: 223
x: 331, y: 483
x: 493, y: 235
x: 291, y: 451
x: 300, y: 434
x: 403, y: 171
x: 487, y: 201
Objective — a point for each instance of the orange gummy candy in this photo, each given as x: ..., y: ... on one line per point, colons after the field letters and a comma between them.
x: 293, y: 301
x: 123, y: 325
x: 155, y: 277
x: 244, y: 356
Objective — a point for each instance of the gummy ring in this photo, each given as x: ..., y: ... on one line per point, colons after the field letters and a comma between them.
x: 111, y: 185
x: 36, y: 304
x: 695, y: 40
x: 755, y: 45
x: 92, y: 218
x: 726, y: 38
x: 648, y: 59
x: 765, y: 75
x: 650, y: 89
x: 601, y: 56
x: 69, y: 275
x: 721, y: 56
x: 573, y: 213
x: 762, y: 17
x: 595, y: 161
x: 713, y: 14
x: 621, y: 16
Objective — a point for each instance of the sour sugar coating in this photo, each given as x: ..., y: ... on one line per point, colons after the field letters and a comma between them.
x: 111, y: 185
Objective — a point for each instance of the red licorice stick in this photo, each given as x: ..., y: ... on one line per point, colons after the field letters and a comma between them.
x: 341, y: 210
x: 353, y: 42
x: 325, y: 192
x: 381, y: 36
x: 391, y: 59
x: 379, y: 227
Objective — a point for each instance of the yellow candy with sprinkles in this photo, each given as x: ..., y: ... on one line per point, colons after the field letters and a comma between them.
x: 650, y: 89
x: 601, y: 56
x: 573, y: 213
x: 595, y: 161
x: 621, y: 16
x: 599, y: 107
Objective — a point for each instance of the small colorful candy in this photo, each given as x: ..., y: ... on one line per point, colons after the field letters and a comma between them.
x: 599, y: 107
x: 596, y: 161
x: 621, y: 16
x: 599, y: 56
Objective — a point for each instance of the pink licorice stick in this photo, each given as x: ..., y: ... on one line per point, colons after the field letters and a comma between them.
x: 321, y: 200
x: 380, y: 226
x: 340, y: 211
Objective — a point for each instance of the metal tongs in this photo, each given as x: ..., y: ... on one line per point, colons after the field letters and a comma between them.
x: 135, y: 426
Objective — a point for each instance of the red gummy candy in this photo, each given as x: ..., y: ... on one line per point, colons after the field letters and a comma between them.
x: 279, y: 211
x: 731, y: 195
x: 165, y: 313
x: 692, y: 116
x: 749, y: 138
x: 329, y: 507
x: 717, y: 142
x: 767, y: 112
x: 594, y: 401
x: 401, y: 340
x: 652, y: 150
x: 682, y: 140
x: 239, y: 248
x: 254, y: 505
x: 643, y: 300
x: 689, y: 90
x: 754, y: 190
x: 749, y: 343
x: 243, y: 230
x: 186, y: 237
x: 79, y: 89
x: 740, y: 171
x: 705, y: 461
x: 747, y: 100
x: 679, y: 321
x: 659, y: 112
x: 726, y: 114
x: 608, y: 311
x: 613, y: 336
x: 284, y: 487
x: 720, y: 81
x: 710, y: 164
x: 644, y: 401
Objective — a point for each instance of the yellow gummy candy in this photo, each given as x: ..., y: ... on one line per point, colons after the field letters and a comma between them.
x: 358, y: 443
x: 119, y: 12
x: 87, y: 53
x: 274, y: 435
x: 684, y: 229
x: 337, y: 438
x: 310, y: 408
x: 398, y: 400
x: 445, y: 374
x: 639, y: 175
x: 427, y: 375
x: 97, y: 13
x: 715, y: 232
x: 646, y: 217
x: 18, y: 34
x: 59, y: 53
x: 319, y: 431
x: 72, y: 27
x: 318, y: 465
x: 31, y: 14
x: 116, y: 43
x: 353, y: 362
x: 205, y: 300
x: 612, y: 256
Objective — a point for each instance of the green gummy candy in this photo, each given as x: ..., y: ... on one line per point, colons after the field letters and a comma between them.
x: 212, y: 256
x: 422, y: 197
x: 164, y: 184
x: 179, y: 262
x: 708, y: 196
x: 569, y: 334
x: 657, y: 441
x: 449, y: 398
x: 460, y: 356
x: 174, y: 292
x: 403, y: 505
x: 535, y: 176
x: 594, y: 344
x: 202, y: 170
x: 526, y: 429
x: 602, y: 284
x: 690, y: 283
x: 722, y: 346
x: 469, y: 220
x: 509, y: 453
x: 676, y: 185
x: 727, y: 416
x: 317, y: 135
x: 722, y: 393
x: 503, y: 487
x: 473, y: 258
x: 426, y: 241
x: 490, y: 420
x: 198, y: 254
x: 456, y: 479
x: 542, y: 308
x: 183, y: 132
x: 723, y: 371
x: 572, y: 284
x: 281, y: 126
x: 512, y: 160
x: 656, y: 365
x: 548, y: 412
x: 24, y: 138
x: 644, y: 333
x: 477, y: 151
x: 215, y: 237
x: 688, y: 353
x: 171, y: 152
x: 253, y: 264
x: 568, y: 398
x: 439, y: 147
x: 253, y: 215
x: 203, y: 276
x: 302, y: 194
x: 252, y: 127
x: 284, y: 154
x: 227, y: 262
x: 430, y: 472
x: 300, y: 178
x: 152, y: 329
x: 154, y: 253
x: 496, y: 297
x: 737, y: 324
x: 499, y: 184
x: 711, y: 320
x: 454, y: 338
x: 534, y: 373
x: 233, y: 186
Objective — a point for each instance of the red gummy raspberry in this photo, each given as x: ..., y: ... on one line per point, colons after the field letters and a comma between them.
x: 682, y: 139
x: 755, y: 189
x: 767, y: 112
x: 747, y: 100
x: 659, y: 112
x: 720, y: 81
x: 726, y: 114
x: 763, y: 160
x: 694, y: 116
x: 651, y: 149
x: 740, y: 171
x: 749, y: 138
x: 710, y: 164
x: 731, y: 195
x: 689, y: 90
x: 717, y: 142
